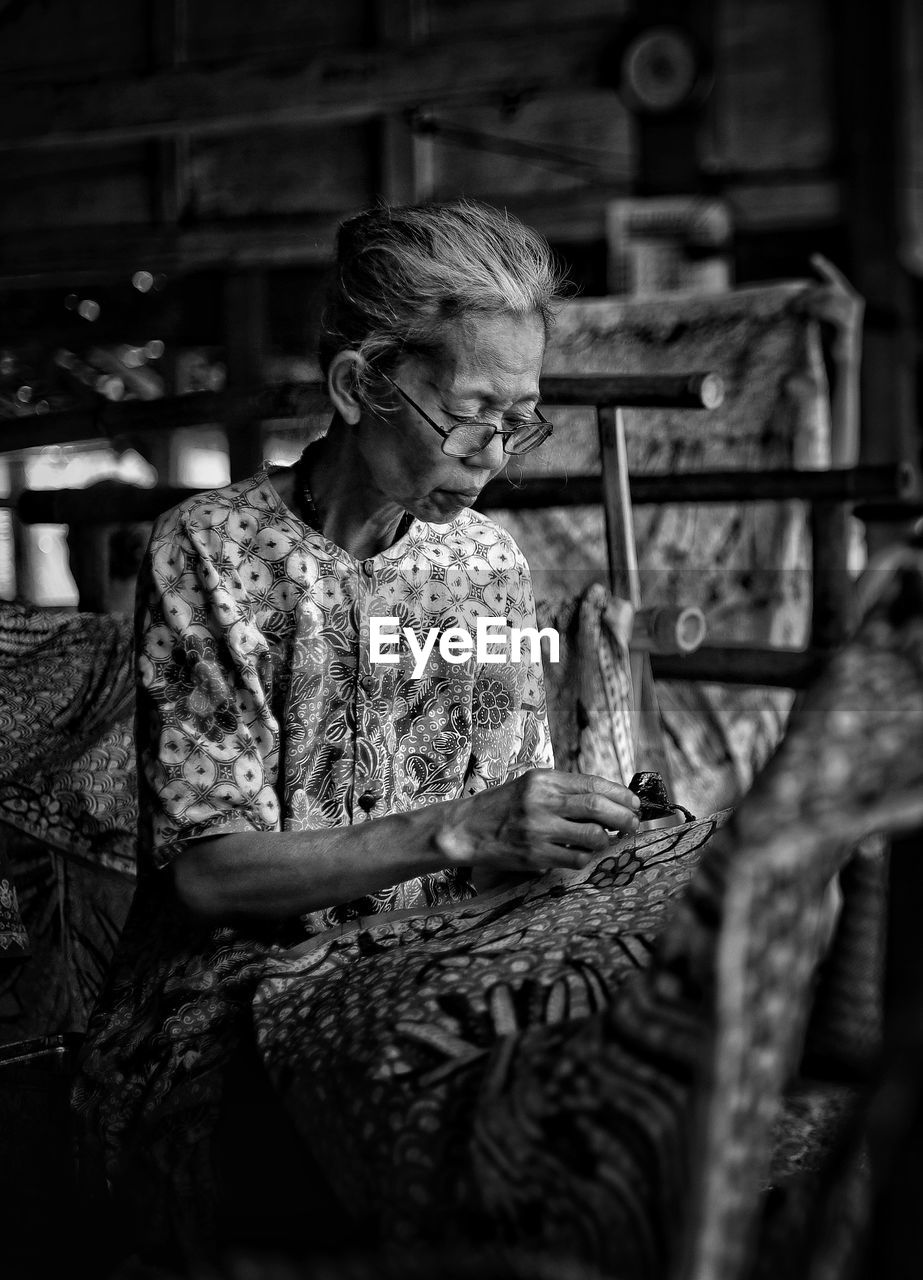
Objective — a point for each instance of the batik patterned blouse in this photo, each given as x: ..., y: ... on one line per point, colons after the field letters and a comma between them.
x: 261, y: 705
x: 260, y: 709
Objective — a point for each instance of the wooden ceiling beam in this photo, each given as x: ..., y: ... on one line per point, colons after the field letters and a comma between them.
x: 93, y: 254
x: 87, y: 255
x: 340, y: 86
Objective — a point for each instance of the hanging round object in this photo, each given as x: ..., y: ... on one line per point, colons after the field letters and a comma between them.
x: 662, y: 71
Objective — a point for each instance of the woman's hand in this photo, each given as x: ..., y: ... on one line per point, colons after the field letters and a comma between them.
x: 545, y: 818
x: 540, y: 820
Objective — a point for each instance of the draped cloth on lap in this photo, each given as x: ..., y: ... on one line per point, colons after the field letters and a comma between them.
x: 570, y: 1067
x: 405, y: 1048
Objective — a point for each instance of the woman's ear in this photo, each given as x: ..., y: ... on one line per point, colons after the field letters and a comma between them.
x: 342, y: 386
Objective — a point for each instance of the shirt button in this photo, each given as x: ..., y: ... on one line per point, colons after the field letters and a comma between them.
x: 374, y: 790
x: 368, y: 568
x: 367, y: 683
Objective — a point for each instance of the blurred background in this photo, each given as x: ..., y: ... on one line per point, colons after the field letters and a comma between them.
x: 174, y: 172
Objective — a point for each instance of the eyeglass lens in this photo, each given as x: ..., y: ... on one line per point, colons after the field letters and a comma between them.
x: 468, y: 439
x: 528, y: 437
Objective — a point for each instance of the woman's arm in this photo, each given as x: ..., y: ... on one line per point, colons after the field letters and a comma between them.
x: 543, y: 819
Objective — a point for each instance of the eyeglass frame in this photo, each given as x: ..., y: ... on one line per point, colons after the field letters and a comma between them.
x: 497, y: 431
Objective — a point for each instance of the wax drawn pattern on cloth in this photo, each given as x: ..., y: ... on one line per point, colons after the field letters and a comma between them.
x: 746, y: 565
x: 392, y: 1023
x: 588, y: 691
x: 618, y: 1134
x: 604, y: 673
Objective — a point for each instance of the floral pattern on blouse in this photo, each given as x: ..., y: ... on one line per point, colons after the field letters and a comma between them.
x: 260, y: 707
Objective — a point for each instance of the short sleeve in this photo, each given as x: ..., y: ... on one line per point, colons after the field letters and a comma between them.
x: 208, y: 743
x: 509, y: 718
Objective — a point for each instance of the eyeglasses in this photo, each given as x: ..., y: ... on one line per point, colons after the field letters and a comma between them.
x: 470, y: 436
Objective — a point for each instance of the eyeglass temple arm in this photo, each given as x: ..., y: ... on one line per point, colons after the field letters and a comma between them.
x: 435, y: 425
x: 413, y: 404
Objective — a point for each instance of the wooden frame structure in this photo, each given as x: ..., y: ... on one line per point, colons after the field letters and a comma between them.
x: 831, y: 493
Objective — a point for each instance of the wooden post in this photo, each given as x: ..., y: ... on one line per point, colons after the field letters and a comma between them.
x: 245, y: 311
x: 895, y: 1240
x: 620, y: 534
x: 831, y: 583
x: 168, y: 26
x: 624, y: 581
x: 668, y: 143
x: 867, y: 59
x: 406, y: 157
x: 88, y: 557
x: 21, y: 568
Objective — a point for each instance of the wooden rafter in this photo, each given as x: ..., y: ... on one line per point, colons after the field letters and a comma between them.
x: 311, y: 89
x: 76, y: 254
x: 90, y: 254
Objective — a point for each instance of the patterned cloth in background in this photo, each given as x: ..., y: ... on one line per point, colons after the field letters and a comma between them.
x: 14, y: 941
x: 746, y: 565
x: 589, y: 694
x: 259, y: 710
x: 67, y: 770
x: 68, y: 812
x: 72, y: 911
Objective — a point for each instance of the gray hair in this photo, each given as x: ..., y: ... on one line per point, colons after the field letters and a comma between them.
x: 403, y: 272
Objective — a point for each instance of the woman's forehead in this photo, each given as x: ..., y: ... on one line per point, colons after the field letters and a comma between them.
x: 493, y: 353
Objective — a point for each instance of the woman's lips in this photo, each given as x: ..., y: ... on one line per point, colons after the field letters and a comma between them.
x: 462, y: 495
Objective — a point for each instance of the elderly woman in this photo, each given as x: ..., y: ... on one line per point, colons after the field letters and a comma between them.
x: 290, y: 781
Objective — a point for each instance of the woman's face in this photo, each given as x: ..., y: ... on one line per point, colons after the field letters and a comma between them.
x: 488, y: 369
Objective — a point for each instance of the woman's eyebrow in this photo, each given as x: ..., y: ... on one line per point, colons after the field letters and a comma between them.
x: 485, y: 395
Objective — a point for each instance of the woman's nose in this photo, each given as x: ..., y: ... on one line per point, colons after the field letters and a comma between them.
x: 491, y: 457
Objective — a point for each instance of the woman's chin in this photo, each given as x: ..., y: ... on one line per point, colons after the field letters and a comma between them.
x: 443, y: 505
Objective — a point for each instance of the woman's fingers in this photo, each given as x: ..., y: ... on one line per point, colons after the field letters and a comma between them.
x: 582, y: 784
x: 594, y: 809
x: 590, y: 837
x: 587, y: 798
x: 545, y: 854
x: 542, y: 819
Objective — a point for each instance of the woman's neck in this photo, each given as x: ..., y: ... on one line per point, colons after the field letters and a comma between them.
x: 352, y: 512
